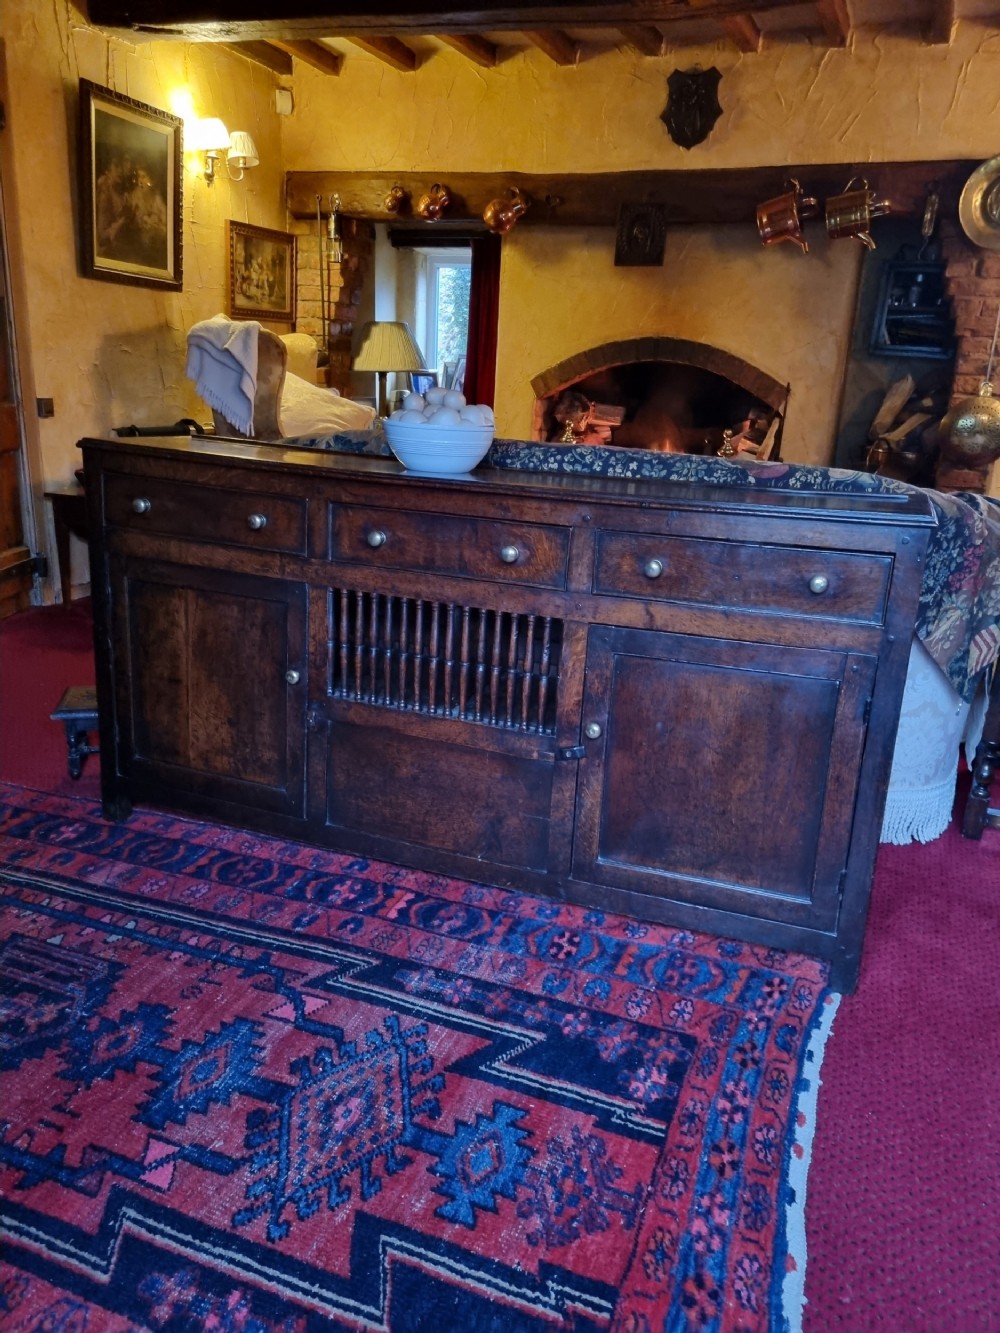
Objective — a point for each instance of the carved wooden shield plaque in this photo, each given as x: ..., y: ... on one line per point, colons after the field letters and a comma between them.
x: 692, y: 105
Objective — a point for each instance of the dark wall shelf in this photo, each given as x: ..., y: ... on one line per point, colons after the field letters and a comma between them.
x: 913, y: 315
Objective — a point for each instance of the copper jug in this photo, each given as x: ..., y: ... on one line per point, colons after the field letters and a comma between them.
x: 431, y: 206
x: 501, y: 214
x: 851, y: 213
x: 781, y: 218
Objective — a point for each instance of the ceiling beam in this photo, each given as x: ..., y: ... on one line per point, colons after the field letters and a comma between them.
x: 942, y: 23
x: 312, y: 53
x: 644, y: 38
x: 475, y: 48
x: 238, y: 20
x: 263, y: 53
x: 390, y: 49
x: 556, y: 45
x: 743, y: 32
x: 835, y: 21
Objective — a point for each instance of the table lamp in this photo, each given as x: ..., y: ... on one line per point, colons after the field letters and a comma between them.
x: 387, y: 345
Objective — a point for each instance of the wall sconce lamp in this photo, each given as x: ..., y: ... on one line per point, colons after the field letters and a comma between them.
x: 211, y: 138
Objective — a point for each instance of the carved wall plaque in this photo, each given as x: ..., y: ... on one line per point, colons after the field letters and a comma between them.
x: 641, y: 235
x: 692, y: 105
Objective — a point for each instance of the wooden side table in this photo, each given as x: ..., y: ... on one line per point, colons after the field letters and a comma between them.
x: 69, y: 518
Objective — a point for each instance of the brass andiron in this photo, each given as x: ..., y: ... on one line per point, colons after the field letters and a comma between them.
x: 726, y: 449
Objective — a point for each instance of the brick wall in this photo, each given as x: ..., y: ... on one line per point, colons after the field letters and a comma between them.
x: 973, y: 284
x: 973, y: 279
x: 343, y: 284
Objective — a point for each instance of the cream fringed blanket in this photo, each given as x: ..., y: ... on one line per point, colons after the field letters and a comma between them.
x: 222, y: 361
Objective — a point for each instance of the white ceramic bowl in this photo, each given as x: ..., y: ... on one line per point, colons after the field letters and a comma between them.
x: 438, y: 449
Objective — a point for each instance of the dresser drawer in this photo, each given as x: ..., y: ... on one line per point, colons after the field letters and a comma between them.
x: 744, y: 576
x: 469, y: 547
x: 199, y: 513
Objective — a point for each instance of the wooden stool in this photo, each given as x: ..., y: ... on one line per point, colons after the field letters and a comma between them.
x: 77, y: 711
x: 978, y: 813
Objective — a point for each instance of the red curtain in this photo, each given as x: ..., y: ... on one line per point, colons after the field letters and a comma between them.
x: 484, y: 315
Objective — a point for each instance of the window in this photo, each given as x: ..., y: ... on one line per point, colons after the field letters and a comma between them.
x: 449, y: 276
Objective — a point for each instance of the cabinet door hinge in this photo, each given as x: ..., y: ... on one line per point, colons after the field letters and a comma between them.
x: 571, y: 752
x: 866, y: 715
x: 315, y: 717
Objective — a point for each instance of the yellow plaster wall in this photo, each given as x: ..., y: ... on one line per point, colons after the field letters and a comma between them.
x: 884, y: 98
x: 110, y: 354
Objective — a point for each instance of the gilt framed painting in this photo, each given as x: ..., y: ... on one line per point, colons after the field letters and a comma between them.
x: 261, y: 273
x: 130, y: 190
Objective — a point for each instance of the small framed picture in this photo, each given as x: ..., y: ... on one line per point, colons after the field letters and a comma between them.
x: 130, y: 190
x: 422, y: 380
x: 261, y: 273
x: 457, y: 380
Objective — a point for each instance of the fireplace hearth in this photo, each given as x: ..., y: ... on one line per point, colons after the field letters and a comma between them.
x: 666, y: 394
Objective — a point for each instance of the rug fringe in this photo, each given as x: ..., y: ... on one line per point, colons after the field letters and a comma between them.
x: 920, y: 814
x: 793, y: 1287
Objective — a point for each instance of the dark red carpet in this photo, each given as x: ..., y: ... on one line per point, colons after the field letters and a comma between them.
x: 42, y: 652
x: 902, y: 1217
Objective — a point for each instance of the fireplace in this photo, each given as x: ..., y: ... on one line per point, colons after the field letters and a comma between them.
x: 667, y: 394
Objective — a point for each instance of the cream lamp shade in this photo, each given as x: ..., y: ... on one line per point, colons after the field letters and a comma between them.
x: 387, y: 345
x: 242, y: 151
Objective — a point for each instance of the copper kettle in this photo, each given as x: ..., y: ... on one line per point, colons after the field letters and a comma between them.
x: 501, y: 214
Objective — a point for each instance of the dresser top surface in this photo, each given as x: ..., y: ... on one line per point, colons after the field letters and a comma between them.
x: 907, y: 509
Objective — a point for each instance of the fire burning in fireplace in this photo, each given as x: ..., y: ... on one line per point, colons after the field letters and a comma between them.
x: 664, y: 394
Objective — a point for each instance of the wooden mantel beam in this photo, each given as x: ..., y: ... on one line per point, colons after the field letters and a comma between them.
x: 706, y: 196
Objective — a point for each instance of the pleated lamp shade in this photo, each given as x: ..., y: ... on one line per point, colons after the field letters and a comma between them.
x: 387, y: 345
x: 243, y: 150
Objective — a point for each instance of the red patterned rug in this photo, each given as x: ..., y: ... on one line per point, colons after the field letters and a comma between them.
x: 249, y: 1085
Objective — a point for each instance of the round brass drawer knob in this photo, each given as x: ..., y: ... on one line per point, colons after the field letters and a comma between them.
x: 142, y: 505
x: 292, y: 676
x: 653, y: 569
x: 509, y: 554
x: 818, y: 584
x: 593, y: 731
x: 376, y: 538
x: 257, y: 521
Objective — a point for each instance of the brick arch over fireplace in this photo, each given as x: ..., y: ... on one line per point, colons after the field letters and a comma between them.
x: 671, y: 367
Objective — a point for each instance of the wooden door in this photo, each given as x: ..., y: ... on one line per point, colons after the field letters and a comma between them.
x: 724, y: 773
x: 212, y: 710
x: 16, y: 565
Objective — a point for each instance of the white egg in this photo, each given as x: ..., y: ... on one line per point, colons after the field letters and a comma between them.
x: 454, y: 399
x: 446, y: 416
x: 414, y: 402
x: 408, y: 417
x: 429, y: 410
x: 435, y: 394
x: 487, y: 412
x: 472, y: 413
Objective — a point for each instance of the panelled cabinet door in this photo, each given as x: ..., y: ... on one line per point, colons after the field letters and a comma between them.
x: 721, y: 773
x: 439, y: 732
x: 213, y: 704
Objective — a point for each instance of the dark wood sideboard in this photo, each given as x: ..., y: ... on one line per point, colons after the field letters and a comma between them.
x: 673, y: 701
